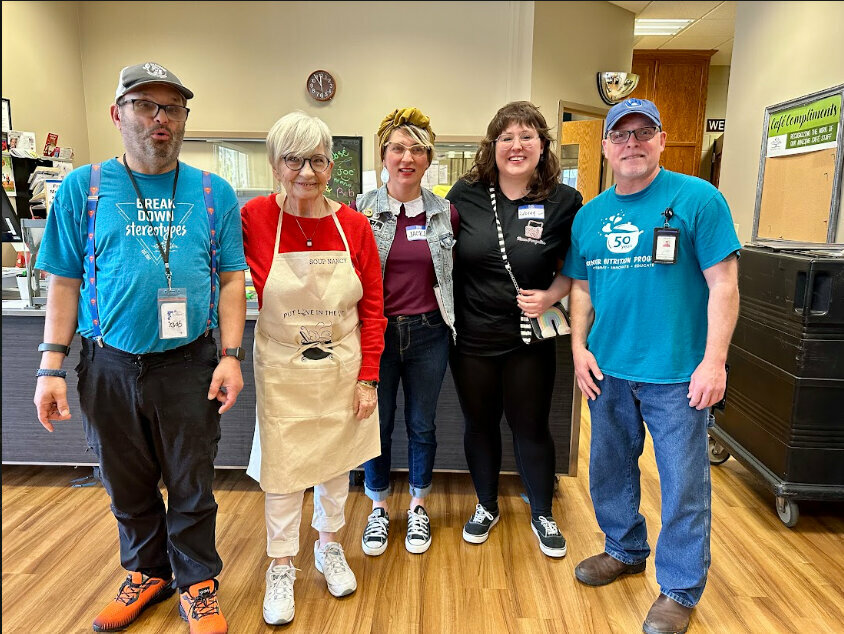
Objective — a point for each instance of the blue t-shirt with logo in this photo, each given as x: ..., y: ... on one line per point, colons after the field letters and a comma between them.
x: 650, y: 319
x: 130, y: 269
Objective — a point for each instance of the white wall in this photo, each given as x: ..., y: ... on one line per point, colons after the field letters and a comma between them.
x: 247, y: 62
x: 782, y: 50
x: 42, y: 73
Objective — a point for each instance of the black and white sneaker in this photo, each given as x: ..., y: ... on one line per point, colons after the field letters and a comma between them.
x: 476, y: 530
x: 418, y: 538
x: 374, y: 541
x: 551, y: 540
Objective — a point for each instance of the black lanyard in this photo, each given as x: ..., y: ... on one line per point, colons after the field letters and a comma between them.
x: 165, y: 252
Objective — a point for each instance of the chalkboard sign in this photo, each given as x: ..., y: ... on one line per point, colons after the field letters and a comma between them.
x: 346, y: 178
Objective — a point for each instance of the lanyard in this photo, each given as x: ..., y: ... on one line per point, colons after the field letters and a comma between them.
x: 165, y: 252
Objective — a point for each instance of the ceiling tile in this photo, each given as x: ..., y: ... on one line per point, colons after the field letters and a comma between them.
x: 717, y: 30
x: 651, y: 41
x: 727, y: 11
x: 691, y: 41
x: 661, y: 9
x: 633, y: 7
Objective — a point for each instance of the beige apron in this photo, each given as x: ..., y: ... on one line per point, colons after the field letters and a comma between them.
x: 306, y: 431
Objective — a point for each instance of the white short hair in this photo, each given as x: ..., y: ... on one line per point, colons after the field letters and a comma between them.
x: 299, y: 134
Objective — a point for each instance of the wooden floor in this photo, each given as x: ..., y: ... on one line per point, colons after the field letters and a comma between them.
x: 60, y: 563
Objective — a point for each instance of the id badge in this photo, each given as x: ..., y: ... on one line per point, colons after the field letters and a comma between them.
x: 666, y: 241
x: 172, y: 313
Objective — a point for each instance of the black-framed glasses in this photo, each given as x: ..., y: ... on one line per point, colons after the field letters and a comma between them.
x: 147, y: 108
x: 318, y: 162
x: 641, y: 134
x: 399, y: 149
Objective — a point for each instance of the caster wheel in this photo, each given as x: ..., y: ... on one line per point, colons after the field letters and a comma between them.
x: 788, y: 511
x: 718, y: 454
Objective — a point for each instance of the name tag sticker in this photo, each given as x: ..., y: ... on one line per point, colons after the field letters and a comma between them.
x: 532, y: 212
x: 415, y: 232
x: 172, y: 313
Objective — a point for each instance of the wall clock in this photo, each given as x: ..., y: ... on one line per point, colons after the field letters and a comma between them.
x: 321, y: 85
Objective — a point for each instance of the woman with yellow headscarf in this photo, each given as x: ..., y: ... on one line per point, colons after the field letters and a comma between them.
x: 415, y: 233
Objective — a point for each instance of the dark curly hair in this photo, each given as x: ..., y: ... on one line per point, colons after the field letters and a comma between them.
x: 545, y: 177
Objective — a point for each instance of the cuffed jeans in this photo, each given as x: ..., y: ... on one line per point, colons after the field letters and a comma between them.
x: 680, y: 445
x: 415, y: 352
x: 147, y: 417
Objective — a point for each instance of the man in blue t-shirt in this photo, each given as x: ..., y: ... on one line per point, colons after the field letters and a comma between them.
x: 146, y: 257
x: 653, y: 305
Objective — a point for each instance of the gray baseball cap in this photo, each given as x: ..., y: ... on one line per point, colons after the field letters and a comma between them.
x: 148, y: 73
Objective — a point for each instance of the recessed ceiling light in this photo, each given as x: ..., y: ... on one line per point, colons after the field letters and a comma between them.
x: 660, y: 27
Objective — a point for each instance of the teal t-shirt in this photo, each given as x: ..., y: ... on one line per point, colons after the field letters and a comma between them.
x: 650, y: 319
x: 129, y: 265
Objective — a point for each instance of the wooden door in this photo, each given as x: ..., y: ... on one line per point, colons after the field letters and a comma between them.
x: 584, y: 138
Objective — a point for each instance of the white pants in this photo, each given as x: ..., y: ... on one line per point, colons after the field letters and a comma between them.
x: 283, y: 513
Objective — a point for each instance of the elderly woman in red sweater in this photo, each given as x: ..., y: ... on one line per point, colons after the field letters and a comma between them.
x: 318, y: 343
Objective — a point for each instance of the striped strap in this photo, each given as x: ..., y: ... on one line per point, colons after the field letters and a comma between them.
x: 524, y: 324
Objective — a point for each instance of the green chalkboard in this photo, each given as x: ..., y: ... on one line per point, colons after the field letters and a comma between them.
x: 346, y: 178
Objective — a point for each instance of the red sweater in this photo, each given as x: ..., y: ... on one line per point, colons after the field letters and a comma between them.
x: 260, y: 218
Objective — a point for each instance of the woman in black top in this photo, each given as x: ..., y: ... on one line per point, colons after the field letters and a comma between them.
x: 494, y: 370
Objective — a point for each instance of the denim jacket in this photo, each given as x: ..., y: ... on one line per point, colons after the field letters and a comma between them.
x: 375, y: 206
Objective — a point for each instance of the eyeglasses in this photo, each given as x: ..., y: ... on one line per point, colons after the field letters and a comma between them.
x: 150, y: 109
x: 318, y: 162
x: 641, y: 134
x: 398, y: 149
x: 526, y: 140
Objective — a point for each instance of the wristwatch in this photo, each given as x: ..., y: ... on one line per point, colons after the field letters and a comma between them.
x: 238, y: 353
x: 368, y: 383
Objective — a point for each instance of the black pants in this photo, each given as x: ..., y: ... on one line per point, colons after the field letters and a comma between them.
x: 147, y: 417
x: 518, y: 384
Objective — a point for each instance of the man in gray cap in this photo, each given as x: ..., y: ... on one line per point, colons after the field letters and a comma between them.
x: 146, y: 257
x: 655, y: 289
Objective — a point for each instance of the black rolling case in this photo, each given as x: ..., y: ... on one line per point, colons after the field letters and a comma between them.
x: 784, y: 412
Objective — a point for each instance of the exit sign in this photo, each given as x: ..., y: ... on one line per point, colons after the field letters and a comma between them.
x: 715, y: 125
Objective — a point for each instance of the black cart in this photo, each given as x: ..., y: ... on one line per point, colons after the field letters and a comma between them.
x: 783, y: 417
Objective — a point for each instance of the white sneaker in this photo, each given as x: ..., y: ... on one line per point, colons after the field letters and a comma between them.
x: 278, y: 599
x: 331, y: 562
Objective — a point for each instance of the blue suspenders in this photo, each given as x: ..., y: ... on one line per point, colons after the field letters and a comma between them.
x: 91, y: 256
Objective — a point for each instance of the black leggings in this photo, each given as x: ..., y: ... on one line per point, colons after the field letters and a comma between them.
x: 518, y: 384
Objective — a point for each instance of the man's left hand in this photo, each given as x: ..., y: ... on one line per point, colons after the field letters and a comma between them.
x: 226, y: 383
x: 707, y: 385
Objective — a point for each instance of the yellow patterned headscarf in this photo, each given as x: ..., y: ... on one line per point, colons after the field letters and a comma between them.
x: 403, y: 116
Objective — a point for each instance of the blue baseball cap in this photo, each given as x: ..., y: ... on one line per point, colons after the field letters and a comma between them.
x: 631, y: 106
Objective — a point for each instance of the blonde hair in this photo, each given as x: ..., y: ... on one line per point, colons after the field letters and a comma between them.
x: 299, y: 134
x: 419, y: 135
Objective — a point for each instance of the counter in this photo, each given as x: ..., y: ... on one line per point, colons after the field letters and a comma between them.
x: 25, y: 441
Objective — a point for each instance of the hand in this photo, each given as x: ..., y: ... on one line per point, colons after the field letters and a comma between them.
x: 709, y: 381
x: 226, y: 383
x: 585, y: 367
x: 51, y: 400
x: 533, y: 302
x: 366, y: 398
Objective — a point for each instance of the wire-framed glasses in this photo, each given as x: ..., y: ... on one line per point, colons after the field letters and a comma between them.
x: 398, y: 149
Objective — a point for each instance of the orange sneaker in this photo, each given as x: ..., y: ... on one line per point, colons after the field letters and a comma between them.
x: 135, y: 595
x: 198, y: 606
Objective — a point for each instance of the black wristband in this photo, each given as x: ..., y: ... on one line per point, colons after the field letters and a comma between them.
x: 62, y: 374
x: 54, y: 347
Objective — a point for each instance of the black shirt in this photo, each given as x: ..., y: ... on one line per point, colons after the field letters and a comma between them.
x: 537, y: 235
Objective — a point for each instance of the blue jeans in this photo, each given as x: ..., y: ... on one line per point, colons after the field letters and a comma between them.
x: 680, y: 445
x: 415, y: 352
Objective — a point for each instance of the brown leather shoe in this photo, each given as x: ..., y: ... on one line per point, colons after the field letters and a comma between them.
x: 599, y: 570
x: 666, y: 616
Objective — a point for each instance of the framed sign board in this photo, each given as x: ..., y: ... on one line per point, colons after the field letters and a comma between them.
x: 798, y: 192
x: 347, y: 176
